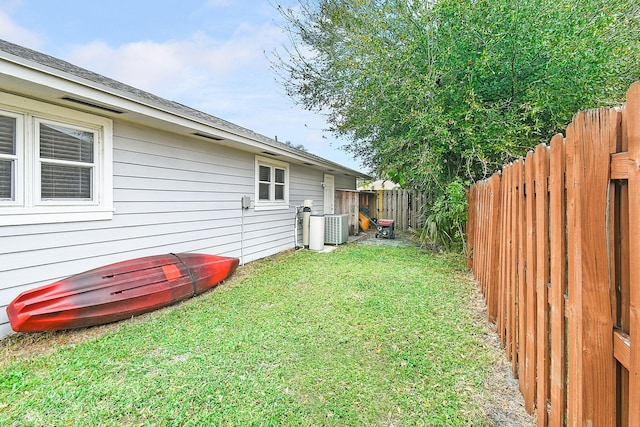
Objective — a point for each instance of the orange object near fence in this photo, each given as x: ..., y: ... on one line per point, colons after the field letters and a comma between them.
x: 363, y: 220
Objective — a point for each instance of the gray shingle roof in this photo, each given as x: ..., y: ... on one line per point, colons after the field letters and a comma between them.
x: 100, y: 82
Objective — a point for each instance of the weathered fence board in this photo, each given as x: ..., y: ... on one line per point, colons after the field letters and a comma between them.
x: 558, y: 282
x: 520, y: 297
x: 528, y: 386
x: 542, y: 279
x: 631, y: 120
x: 554, y: 244
x: 591, y: 323
x: 405, y: 207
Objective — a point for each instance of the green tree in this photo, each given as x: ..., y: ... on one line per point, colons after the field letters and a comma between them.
x: 435, y: 92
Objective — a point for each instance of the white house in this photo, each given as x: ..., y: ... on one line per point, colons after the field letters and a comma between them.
x: 93, y: 171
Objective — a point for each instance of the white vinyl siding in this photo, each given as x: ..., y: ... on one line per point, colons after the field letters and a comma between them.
x: 55, y: 164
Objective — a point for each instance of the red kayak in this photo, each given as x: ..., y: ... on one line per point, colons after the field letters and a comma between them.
x: 117, y: 291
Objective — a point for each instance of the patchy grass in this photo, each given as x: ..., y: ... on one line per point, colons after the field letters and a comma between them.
x: 365, y: 335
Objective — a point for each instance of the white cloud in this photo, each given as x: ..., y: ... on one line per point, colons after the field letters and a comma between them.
x: 196, y: 68
x: 16, y: 34
x: 158, y: 68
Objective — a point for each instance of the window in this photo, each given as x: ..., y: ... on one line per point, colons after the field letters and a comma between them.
x: 272, y: 187
x: 55, y: 164
x: 8, y: 157
x: 66, y: 162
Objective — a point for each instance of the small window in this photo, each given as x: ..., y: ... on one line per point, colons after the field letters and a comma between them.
x: 272, y: 186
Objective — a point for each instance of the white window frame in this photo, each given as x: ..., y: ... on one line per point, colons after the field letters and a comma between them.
x: 27, y: 206
x: 271, y: 204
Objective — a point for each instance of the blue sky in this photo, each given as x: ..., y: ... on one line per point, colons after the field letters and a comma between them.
x: 212, y: 55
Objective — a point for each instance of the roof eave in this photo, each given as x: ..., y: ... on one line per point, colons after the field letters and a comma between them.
x: 39, y: 74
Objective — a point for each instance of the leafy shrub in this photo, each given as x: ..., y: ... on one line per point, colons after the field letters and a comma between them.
x: 445, y: 223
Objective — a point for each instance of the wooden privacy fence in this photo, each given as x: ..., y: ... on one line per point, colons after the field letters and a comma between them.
x: 554, y: 243
x: 403, y: 206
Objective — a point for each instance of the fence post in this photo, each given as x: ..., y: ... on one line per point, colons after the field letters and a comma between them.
x: 591, y: 372
x: 502, y: 252
x: 558, y: 281
x: 471, y: 224
x: 528, y: 381
x: 490, y: 243
x: 631, y: 124
x: 494, y: 265
x: 542, y: 279
x: 522, y: 255
x: 510, y: 286
x: 405, y: 208
x: 479, y: 227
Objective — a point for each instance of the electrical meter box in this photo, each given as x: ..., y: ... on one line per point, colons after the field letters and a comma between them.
x: 246, y: 202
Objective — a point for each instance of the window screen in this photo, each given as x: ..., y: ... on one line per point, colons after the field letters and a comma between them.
x: 6, y: 180
x: 57, y: 142
x: 7, y: 135
x: 265, y: 183
x: 279, y: 184
x: 65, y: 182
x: 66, y: 157
x: 7, y: 157
x: 265, y: 174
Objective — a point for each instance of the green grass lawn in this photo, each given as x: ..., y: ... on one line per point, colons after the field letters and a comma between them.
x: 365, y: 335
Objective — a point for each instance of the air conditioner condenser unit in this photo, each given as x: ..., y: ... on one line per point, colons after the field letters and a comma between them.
x: 336, y: 229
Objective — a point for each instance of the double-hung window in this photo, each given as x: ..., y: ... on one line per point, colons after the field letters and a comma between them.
x: 272, y: 184
x: 55, y: 164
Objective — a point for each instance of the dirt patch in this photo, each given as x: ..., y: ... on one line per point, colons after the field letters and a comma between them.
x: 402, y: 238
x: 501, y: 401
x: 23, y: 345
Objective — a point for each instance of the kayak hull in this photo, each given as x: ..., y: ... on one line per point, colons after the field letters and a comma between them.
x: 117, y: 291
